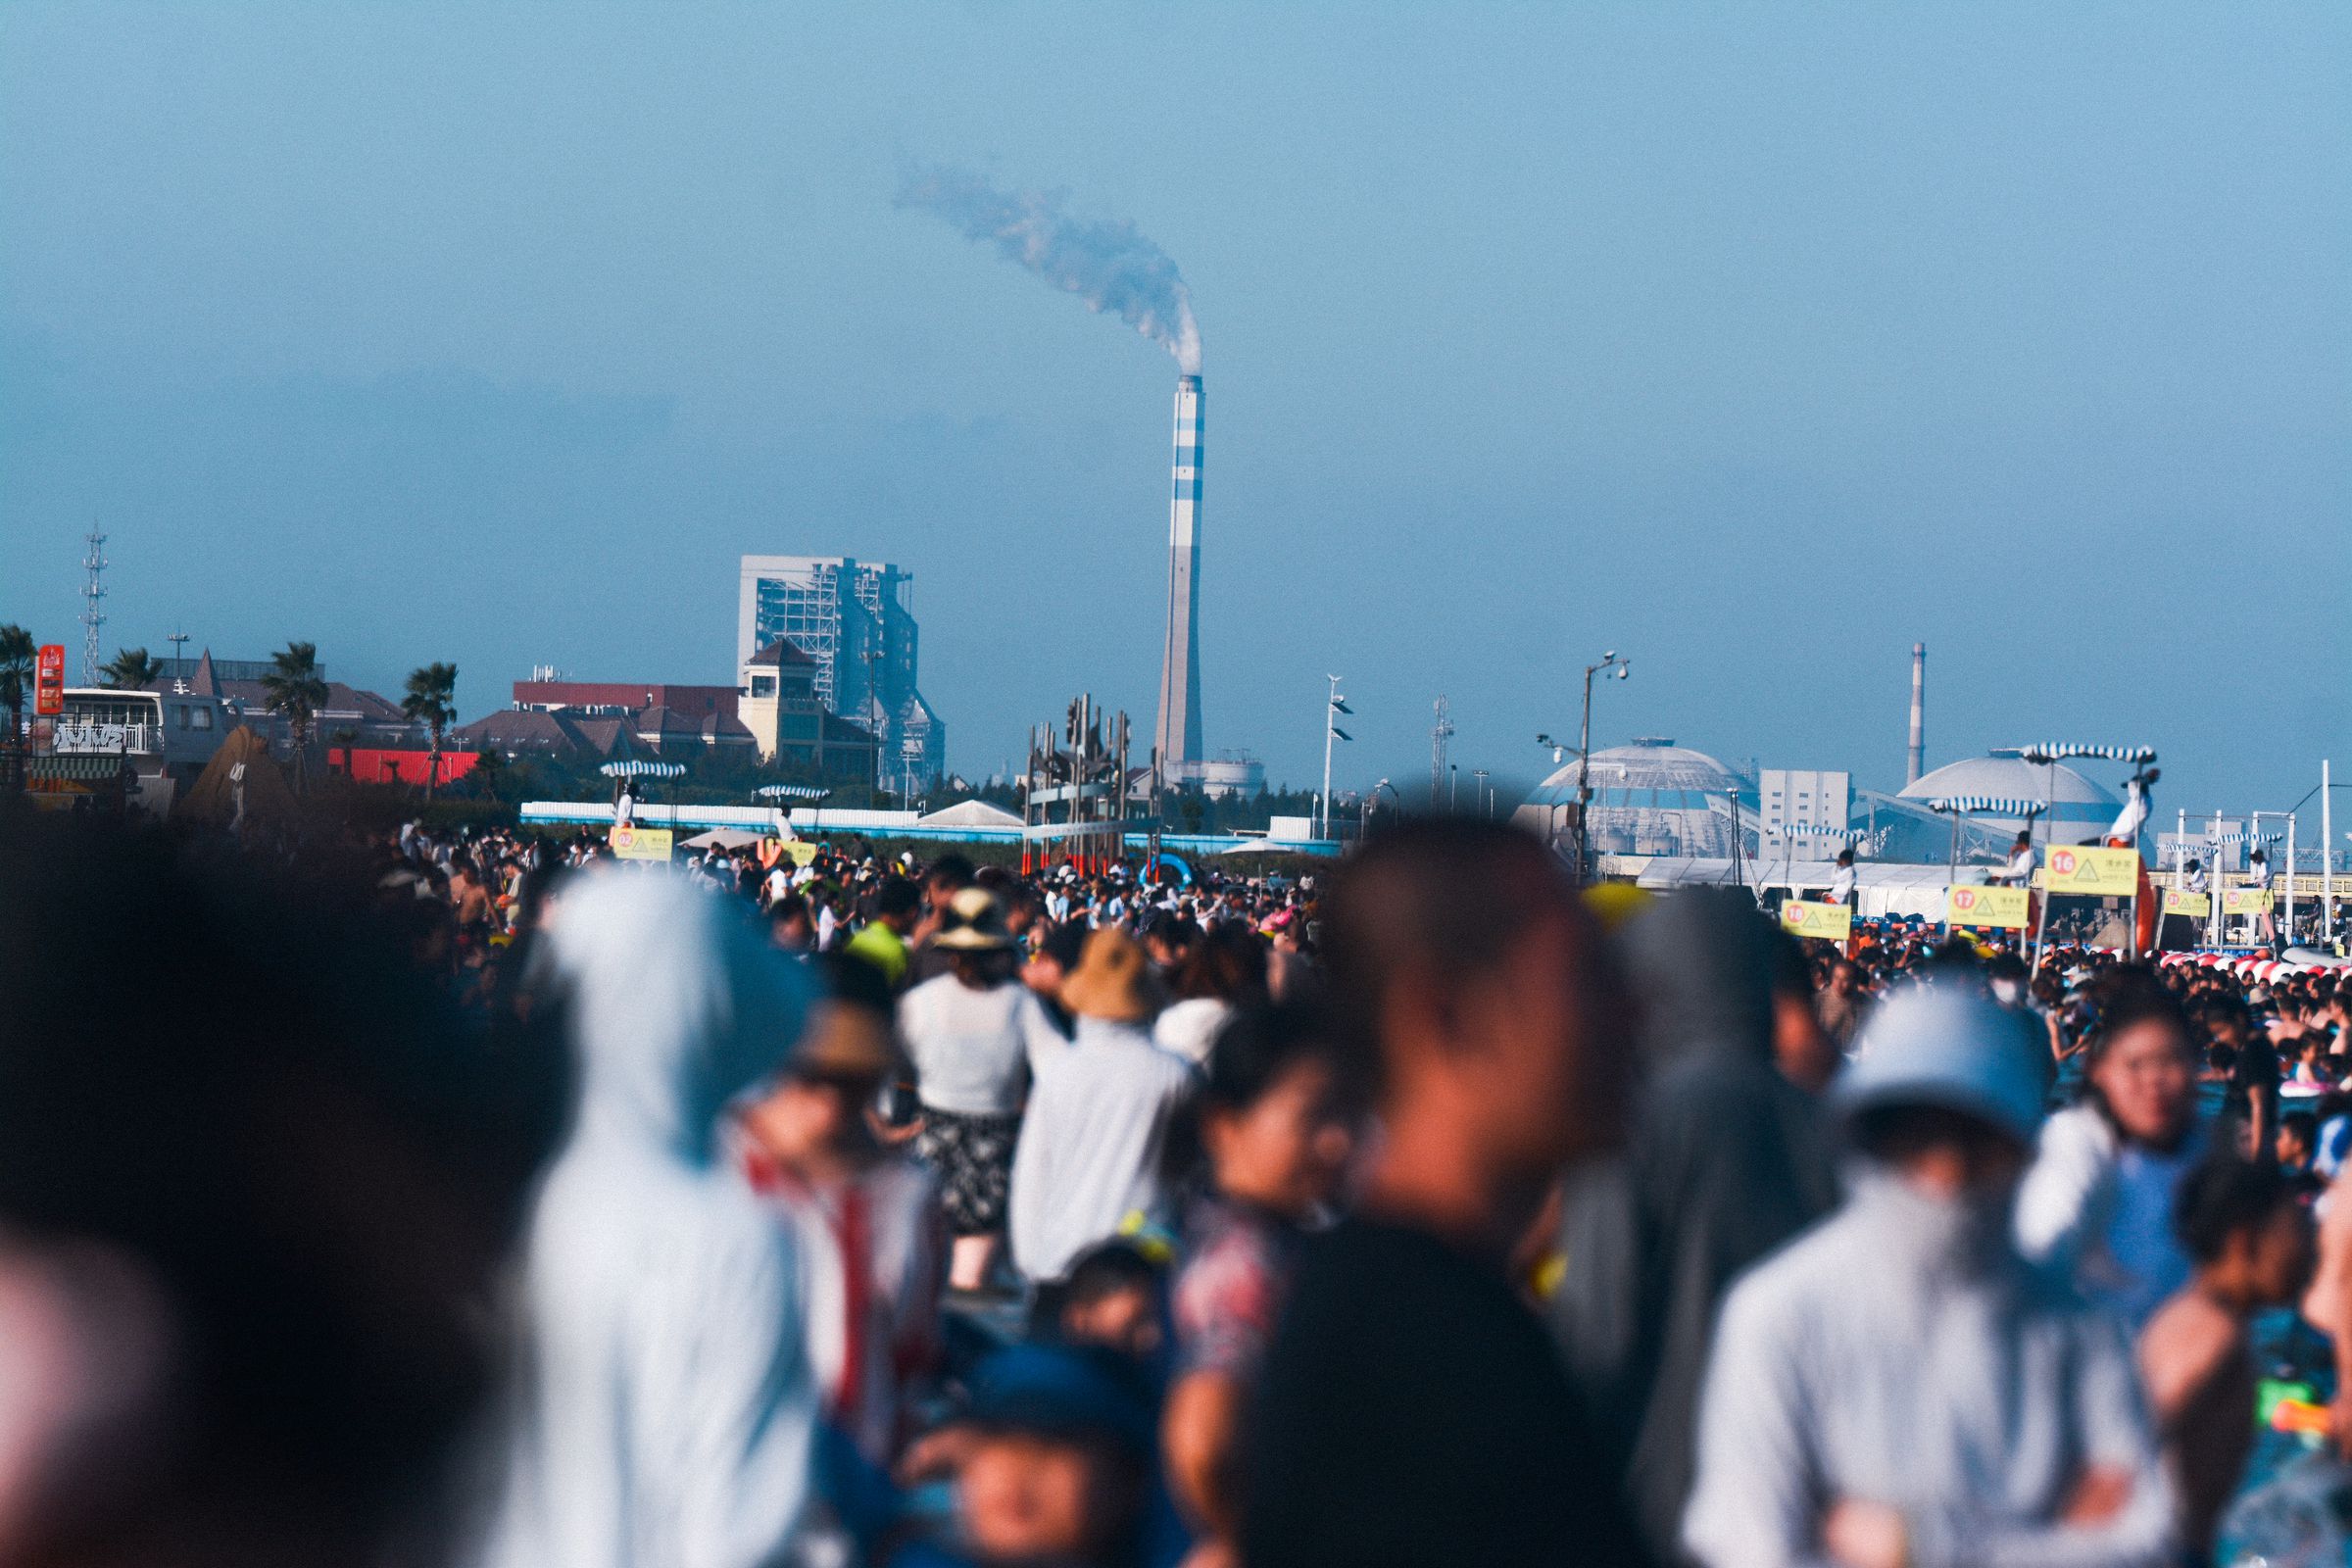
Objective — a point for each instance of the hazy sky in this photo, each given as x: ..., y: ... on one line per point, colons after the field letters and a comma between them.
x: 1752, y: 341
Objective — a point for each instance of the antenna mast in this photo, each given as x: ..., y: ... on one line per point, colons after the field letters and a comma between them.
x: 93, y: 592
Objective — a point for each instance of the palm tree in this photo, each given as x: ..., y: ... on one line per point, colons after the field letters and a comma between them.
x: 130, y: 669
x: 431, y: 700
x: 295, y: 688
x: 15, y: 672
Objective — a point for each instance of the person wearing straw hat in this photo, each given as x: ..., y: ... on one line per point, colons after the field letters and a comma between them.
x: 1898, y: 1386
x: 1090, y: 1148
x: 974, y: 1036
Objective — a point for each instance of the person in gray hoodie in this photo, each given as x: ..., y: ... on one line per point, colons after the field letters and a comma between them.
x: 666, y: 1409
x: 1725, y: 1160
x: 1897, y: 1388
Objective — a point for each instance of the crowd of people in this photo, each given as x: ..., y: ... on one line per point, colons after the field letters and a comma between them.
x: 479, y: 1199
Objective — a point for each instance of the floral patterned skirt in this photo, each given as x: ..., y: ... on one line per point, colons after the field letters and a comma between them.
x: 973, y: 1156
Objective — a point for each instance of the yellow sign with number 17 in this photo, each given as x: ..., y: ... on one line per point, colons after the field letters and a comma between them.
x: 2006, y: 907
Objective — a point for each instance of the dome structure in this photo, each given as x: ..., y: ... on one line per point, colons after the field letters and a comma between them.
x: 1650, y: 797
x: 2080, y: 809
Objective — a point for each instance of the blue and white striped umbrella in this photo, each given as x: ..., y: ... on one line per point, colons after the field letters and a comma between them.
x: 791, y: 791
x: 1994, y: 805
x: 2052, y: 752
x: 2239, y: 835
x: 1794, y: 830
x: 634, y: 769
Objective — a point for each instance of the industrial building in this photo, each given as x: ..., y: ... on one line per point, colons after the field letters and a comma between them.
x: 853, y: 619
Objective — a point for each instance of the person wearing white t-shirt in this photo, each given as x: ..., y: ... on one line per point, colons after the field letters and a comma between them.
x: 974, y: 1036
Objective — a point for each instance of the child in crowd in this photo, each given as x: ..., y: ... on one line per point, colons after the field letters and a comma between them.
x: 1115, y: 1298
x: 1052, y: 1464
x: 2296, y: 1147
x: 2251, y: 1245
x: 1276, y: 1130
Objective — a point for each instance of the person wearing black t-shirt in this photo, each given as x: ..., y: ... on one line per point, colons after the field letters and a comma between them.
x: 2253, y: 1099
x: 1411, y: 1408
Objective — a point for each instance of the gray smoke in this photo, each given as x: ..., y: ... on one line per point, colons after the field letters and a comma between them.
x: 1111, y: 265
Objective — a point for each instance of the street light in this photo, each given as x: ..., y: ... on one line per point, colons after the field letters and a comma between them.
x: 1480, y: 796
x: 1584, y: 758
x: 1331, y: 732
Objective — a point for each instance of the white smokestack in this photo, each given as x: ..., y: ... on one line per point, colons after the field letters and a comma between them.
x: 1178, y: 734
x: 1109, y: 265
x: 1919, y: 713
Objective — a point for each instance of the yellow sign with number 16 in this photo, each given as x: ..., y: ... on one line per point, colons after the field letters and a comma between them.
x: 1832, y: 922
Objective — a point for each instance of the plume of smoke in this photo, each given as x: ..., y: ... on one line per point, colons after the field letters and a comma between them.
x: 1111, y: 265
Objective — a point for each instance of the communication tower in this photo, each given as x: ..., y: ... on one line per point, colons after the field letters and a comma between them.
x: 93, y: 595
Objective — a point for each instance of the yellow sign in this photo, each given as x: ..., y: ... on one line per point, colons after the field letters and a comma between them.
x: 2191, y: 906
x: 1969, y: 905
x: 2245, y: 901
x: 632, y: 843
x: 799, y: 851
x: 1832, y: 922
x: 2091, y: 870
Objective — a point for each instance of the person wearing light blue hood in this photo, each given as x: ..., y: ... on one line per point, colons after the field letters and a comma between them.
x: 1898, y: 1388
x: 665, y: 1411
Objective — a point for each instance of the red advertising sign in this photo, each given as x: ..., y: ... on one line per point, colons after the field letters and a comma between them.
x: 49, y: 680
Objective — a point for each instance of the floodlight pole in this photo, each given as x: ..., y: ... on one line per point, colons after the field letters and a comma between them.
x: 1583, y: 767
x: 1331, y: 718
x: 2214, y: 927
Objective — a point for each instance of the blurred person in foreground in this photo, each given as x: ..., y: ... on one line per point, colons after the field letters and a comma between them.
x: 2096, y: 1207
x: 2252, y: 1243
x: 667, y: 1408
x: 219, y: 1342
x: 1273, y: 1128
x: 864, y: 1219
x: 1726, y: 1159
x: 1051, y: 1464
x: 1409, y: 1408
x: 1898, y: 1387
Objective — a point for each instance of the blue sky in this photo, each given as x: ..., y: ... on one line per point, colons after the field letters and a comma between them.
x: 1755, y: 342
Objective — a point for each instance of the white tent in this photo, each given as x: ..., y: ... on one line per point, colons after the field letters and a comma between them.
x: 1881, y: 890
x: 969, y: 813
x: 723, y: 838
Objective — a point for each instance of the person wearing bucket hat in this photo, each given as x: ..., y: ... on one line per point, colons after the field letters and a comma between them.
x: 1091, y: 1142
x: 1900, y: 1387
x: 975, y: 1036
x: 1054, y: 1462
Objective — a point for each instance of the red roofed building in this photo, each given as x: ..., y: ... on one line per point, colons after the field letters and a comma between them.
x: 617, y: 697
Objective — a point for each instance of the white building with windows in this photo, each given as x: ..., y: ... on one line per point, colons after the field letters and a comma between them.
x: 1790, y: 799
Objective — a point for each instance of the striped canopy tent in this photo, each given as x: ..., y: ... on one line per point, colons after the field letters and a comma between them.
x: 791, y: 791
x: 2176, y: 851
x: 2054, y: 752
x: 1790, y: 832
x: 1989, y: 805
x: 638, y: 769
